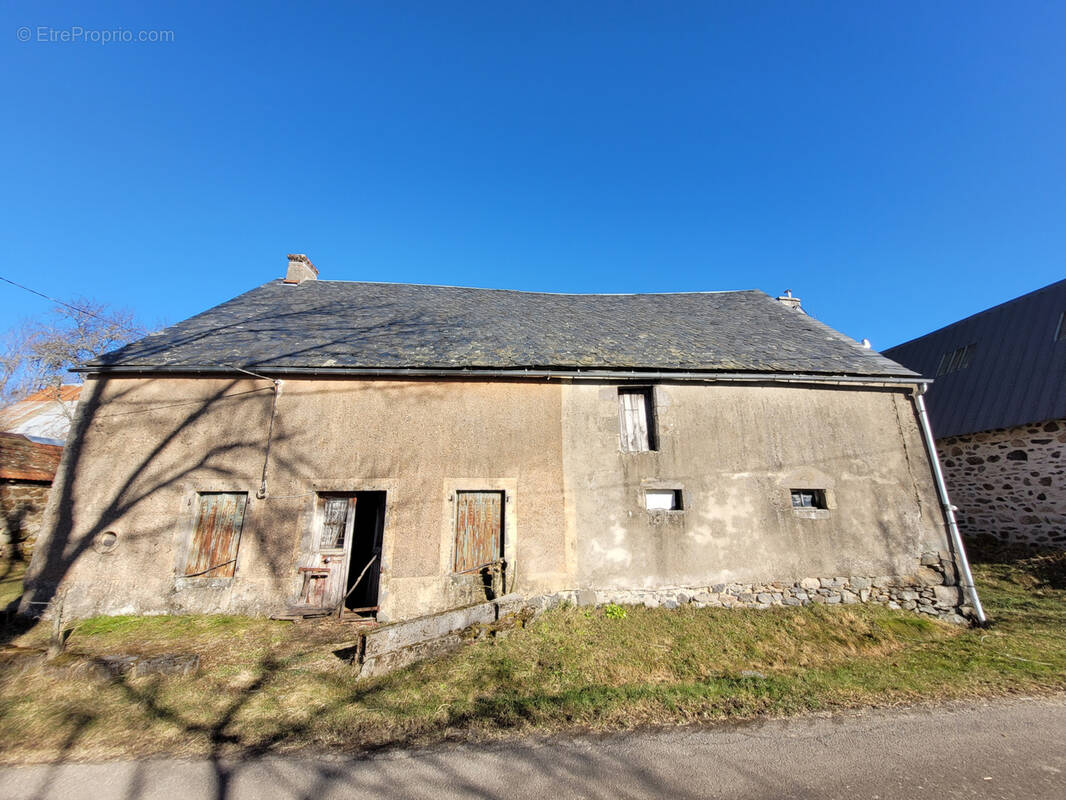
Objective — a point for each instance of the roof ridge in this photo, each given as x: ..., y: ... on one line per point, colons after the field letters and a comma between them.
x: 532, y: 291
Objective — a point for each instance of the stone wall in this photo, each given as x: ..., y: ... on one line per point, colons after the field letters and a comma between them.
x: 931, y: 589
x: 21, y: 508
x: 1010, y: 483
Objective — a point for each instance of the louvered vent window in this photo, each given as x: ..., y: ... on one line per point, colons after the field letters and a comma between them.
x: 954, y: 360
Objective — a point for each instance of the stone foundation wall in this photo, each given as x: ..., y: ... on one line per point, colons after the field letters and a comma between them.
x: 21, y: 508
x: 1009, y: 484
x: 932, y: 590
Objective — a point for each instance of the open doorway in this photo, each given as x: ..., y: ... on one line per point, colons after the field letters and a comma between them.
x: 364, y: 565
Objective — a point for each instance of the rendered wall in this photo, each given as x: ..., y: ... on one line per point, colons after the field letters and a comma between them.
x: 574, y: 516
x: 736, y: 451
x: 148, y: 446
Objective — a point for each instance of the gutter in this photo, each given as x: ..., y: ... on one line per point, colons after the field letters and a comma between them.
x: 962, y: 562
x: 528, y: 373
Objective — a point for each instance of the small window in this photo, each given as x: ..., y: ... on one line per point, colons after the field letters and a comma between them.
x: 337, y: 517
x: 636, y: 418
x: 956, y: 359
x: 663, y: 500
x: 217, y: 535
x: 478, y: 529
x: 1060, y: 329
x: 808, y: 498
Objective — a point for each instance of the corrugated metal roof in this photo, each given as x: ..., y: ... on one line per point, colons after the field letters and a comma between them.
x: 1017, y: 372
x: 341, y: 325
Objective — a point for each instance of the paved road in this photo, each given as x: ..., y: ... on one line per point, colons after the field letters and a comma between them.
x: 1014, y: 749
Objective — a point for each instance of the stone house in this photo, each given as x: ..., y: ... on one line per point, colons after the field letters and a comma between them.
x: 999, y: 415
x: 27, y: 469
x: 400, y: 450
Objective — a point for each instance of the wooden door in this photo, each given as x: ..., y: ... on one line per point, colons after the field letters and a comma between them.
x: 325, y: 569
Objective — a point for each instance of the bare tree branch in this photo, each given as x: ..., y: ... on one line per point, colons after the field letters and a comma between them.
x: 39, y: 354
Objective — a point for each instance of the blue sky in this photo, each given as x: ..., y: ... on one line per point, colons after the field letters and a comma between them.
x: 897, y: 165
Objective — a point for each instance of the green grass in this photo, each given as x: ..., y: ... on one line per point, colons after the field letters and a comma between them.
x: 268, y: 686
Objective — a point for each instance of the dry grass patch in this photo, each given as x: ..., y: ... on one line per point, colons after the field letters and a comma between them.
x: 268, y: 686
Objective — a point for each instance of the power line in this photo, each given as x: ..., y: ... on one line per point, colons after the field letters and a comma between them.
x: 79, y: 309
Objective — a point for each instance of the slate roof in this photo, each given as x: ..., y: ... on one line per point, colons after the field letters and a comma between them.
x: 344, y: 326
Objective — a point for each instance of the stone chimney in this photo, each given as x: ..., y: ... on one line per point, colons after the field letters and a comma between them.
x: 300, y: 269
x: 786, y: 298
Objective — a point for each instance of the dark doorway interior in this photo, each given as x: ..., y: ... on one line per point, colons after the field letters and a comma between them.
x: 366, y: 545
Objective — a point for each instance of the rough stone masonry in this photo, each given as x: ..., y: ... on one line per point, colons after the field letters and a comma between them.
x: 1010, y: 483
x: 932, y: 590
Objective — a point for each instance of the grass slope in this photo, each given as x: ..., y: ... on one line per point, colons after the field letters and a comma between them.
x: 268, y: 686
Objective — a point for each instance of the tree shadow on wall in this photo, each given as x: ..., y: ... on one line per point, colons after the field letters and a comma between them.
x: 69, y: 530
x: 70, y: 527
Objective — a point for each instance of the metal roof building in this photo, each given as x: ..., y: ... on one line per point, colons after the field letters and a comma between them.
x: 999, y: 368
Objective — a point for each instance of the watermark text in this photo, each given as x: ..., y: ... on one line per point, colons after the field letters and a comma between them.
x: 76, y: 34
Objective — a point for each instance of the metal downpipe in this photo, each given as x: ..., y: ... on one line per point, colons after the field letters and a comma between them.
x: 949, y: 511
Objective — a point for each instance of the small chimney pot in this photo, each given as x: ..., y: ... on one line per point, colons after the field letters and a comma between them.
x: 789, y: 300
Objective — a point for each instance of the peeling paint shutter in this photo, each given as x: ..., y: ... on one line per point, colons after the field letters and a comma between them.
x: 478, y: 529
x: 213, y: 553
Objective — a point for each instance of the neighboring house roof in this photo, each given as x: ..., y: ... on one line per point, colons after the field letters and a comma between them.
x: 341, y: 326
x: 1013, y: 373
x: 25, y: 460
x: 43, y: 415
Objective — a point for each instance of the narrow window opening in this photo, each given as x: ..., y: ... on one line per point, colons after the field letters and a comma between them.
x: 636, y: 417
x: 1060, y: 329
x: 808, y: 498
x: 663, y: 500
x: 217, y: 535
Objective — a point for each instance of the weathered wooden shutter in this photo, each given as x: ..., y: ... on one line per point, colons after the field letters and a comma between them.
x: 633, y: 419
x: 478, y: 529
x: 213, y: 553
